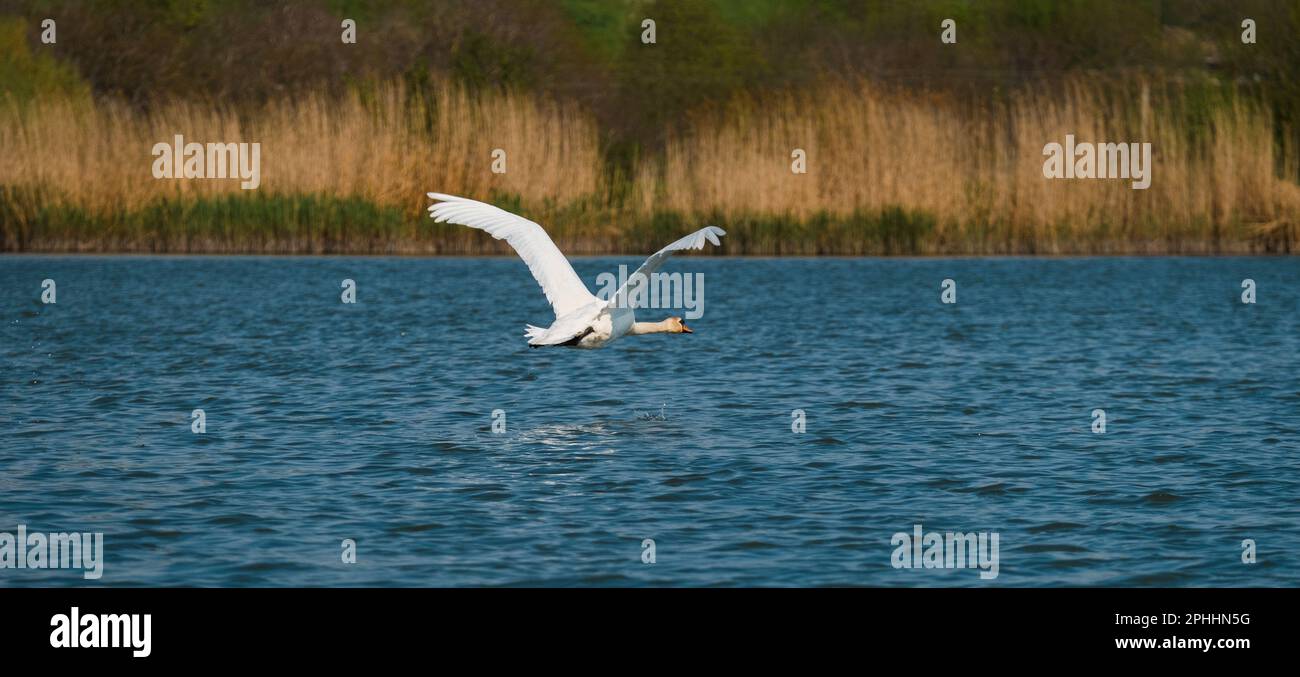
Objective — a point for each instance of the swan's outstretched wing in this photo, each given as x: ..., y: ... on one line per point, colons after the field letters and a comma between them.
x: 641, y: 277
x: 563, y: 288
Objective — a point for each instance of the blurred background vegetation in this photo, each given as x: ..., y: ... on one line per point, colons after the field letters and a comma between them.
x: 719, y: 67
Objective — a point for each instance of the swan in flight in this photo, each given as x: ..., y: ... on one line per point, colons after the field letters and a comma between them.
x: 581, y: 319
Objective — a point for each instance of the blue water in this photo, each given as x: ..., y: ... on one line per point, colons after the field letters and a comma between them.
x: 372, y: 422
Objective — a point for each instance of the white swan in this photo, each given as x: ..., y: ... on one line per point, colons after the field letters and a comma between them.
x: 581, y: 319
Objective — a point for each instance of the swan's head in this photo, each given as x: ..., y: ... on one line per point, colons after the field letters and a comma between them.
x: 678, y: 327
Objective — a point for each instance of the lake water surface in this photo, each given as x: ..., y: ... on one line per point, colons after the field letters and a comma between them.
x: 373, y: 422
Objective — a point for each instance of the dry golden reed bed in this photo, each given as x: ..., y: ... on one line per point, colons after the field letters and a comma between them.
x: 888, y: 172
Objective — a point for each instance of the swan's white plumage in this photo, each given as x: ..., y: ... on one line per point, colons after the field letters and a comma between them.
x: 574, y: 324
x: 562, y: 286
x: 578, y: 313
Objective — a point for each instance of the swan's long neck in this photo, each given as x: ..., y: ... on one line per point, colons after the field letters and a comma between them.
x: 650, y: 328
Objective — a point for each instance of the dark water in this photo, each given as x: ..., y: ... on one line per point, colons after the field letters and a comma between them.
x: 372, y: 422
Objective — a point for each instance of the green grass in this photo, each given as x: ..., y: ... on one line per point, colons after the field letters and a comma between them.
x: 234, y: 223
x: 316, y: 224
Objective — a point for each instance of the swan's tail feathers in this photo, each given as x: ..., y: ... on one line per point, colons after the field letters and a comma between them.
x: 553, y: 336
x: 538, y: 336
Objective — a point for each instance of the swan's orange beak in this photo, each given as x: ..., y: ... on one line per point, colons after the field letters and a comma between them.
x: 686, y: 329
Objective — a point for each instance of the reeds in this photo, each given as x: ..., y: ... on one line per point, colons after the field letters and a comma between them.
x: 889, y: 171
x: 1219, y: 182
x: 382, y: 145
